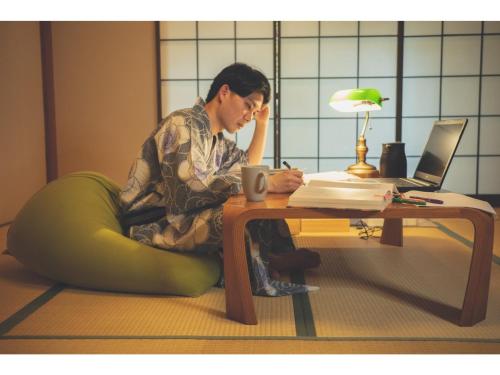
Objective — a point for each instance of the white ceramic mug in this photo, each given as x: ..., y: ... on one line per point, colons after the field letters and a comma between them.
x: 254, y: 181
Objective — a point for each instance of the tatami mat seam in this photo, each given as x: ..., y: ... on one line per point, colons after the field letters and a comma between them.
x: 29, y: 309
x: 304, y: 320
x: 463, y: 240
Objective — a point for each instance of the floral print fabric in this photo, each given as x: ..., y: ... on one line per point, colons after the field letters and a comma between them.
x: 189, y: 172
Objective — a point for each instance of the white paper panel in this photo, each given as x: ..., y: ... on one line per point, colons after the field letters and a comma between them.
x: 490, y: 100
x: 215, y: 29
x: 422, y: 28
x: 489, y: 178
x: 460, y: 96
x: 461, y: 177
x: 339, y: 28
x: 492, y: 27
x: 299, y: 28
x: 422, y: 56
x: 415, y: 133
x: 257, y: 53
x: 174, y: 52
x: 338, y: 137
x: 214, y: 55
x: 378, y: 56
x: 421, y: 97
x: 490, y: 136
x: 245, y: 135
x: 382, y: 131
x: 299, y: 98
x: 299, y: 58
x: 177, y: 30
x: 254, y: 29
x: 411, y: 165
x: 465, y: 27
x: 326, y: 165
x: 378, y: 28
x: 177, y: 95
x: 491, y: 54
x: 339, y: 57
x: 299, y: 138
x: 461, y: 55
x: 204, y: 88
x: 269, y: 162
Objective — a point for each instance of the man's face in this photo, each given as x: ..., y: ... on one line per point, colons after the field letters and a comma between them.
x: 237, y: 111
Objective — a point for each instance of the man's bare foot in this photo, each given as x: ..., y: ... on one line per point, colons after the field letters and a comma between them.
x: 298, y: 260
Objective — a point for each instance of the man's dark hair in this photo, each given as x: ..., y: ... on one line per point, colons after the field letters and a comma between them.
x: 243, y: 80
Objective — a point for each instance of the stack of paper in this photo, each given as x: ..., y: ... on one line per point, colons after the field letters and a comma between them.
x: 342, y: 195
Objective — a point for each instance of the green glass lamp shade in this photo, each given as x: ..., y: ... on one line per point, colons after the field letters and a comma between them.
x: 357, y: 100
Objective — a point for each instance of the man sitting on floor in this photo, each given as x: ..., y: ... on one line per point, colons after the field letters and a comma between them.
x: 187, y: 169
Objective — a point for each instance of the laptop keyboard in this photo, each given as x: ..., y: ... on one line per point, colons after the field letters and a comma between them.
x: 404, y: 182
x: 411, y: 182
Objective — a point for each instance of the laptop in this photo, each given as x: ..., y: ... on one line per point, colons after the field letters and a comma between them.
x: 435, y: 160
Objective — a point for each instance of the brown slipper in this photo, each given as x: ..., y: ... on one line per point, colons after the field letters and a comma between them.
x: 300, y: 259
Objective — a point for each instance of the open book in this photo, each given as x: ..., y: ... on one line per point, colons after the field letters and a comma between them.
x: 343, y: 194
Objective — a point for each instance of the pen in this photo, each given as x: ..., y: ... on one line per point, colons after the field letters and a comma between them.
x: 429, y: 200
x: 408, y: 201
x: 290, y: 167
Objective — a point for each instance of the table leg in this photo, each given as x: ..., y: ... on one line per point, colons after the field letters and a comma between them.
x: 476, y: 293
x: 392, y: 232
x: 239, y: 300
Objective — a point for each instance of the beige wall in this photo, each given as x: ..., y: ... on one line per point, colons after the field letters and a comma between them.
x: 105, y: 99
x: 22, y: 145
x: 105, y: 90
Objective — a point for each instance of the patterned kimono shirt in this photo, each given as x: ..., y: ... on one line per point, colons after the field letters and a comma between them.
x: 186, y: 173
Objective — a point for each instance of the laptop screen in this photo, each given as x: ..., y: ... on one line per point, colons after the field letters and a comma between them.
x: 439, y: 150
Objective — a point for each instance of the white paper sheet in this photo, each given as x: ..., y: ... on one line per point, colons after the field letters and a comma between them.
x: 330, y: 176
x: 452, y: 200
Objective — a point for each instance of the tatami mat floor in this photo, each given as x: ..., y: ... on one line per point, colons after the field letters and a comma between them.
x: 255, y: 346
x: 372, y: 299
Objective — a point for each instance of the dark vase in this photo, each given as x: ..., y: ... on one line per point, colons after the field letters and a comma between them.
x: 393, y: 160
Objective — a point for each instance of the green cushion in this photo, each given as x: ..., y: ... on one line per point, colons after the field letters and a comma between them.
x: 69, y: 232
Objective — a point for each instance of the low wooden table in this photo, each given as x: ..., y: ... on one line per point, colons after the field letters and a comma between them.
x: 237, y: 212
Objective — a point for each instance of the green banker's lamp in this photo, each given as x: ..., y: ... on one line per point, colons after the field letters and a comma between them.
x: 359, y: 100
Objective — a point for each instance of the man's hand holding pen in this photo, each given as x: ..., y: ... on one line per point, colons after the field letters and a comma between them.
x: 287, y: 181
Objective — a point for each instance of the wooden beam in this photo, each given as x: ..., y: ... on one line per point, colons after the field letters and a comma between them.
x: 49, y: 107
x: 399, y: 81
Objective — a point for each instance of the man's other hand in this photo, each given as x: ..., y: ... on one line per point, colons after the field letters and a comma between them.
x: 262, y: 116
x: 285, y: 182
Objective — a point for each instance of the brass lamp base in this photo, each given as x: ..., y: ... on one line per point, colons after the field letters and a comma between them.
x: 362, y: 168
